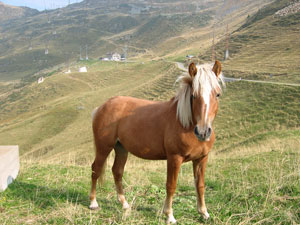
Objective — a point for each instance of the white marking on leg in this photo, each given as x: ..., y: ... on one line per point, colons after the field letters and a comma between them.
x: 168, y: 211
x: 94, y: 204
x: 126, y: 205
x: 203, y: 211
x: 205, y: 215
x: 171, y: 219
x: 123, y: 201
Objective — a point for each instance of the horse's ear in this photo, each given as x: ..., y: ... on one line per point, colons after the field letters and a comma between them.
x: 192, y: 69
x: 217, y: 68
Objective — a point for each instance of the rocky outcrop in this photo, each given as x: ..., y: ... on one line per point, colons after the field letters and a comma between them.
x: 291, y: 9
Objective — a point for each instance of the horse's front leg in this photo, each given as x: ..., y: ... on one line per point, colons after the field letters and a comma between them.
x: 199, y: 172
x: 174, y: 162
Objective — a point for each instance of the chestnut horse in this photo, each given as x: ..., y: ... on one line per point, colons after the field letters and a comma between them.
x: 179, y: 130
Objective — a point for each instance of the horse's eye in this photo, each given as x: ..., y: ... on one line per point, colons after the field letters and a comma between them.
x: 218, y: 95
x: 193, y: 96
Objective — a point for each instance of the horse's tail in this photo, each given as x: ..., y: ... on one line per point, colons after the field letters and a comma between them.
x: 94, y: 113
x: 101, y: 178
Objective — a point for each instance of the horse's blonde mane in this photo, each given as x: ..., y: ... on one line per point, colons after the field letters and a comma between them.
x: 202, y: 84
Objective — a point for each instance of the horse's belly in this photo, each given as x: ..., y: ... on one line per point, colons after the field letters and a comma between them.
x: 144, y: 151
x: 148, y: 154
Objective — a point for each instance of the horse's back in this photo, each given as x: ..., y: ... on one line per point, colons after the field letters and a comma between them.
x: 119, y: 107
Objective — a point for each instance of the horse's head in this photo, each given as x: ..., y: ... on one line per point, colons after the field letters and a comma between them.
x: 204, y: 98
x: 198, y: 98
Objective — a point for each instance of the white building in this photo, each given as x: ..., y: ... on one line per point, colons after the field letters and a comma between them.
x: 82, y: 69
x: 41, y: 80
x: 116, y: 57
x: 68, y: 71
x: 189, y: 56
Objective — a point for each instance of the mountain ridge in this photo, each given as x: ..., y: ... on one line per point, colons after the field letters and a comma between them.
x: 9, y: 12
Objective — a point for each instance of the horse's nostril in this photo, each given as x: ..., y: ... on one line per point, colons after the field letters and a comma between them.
x: 196, y: 131
x: 208, y: 132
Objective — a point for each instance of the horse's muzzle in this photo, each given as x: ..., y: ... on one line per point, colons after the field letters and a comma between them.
x: 203, y: 134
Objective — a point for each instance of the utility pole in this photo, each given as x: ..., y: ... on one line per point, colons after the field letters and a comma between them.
x: 226, y: 54
x: 86, y: 24
x: 80, y: 57
x: 213, y: 53
x: 125, y: 52
x: 46, y: 50
x: 86, y: 53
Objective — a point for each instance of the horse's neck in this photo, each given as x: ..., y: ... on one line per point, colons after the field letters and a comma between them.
x: 172, y: 106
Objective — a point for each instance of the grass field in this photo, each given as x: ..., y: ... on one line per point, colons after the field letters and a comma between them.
x: 250, y: 112
x: 257, y: 184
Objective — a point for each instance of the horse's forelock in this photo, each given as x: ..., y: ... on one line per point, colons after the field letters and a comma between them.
x: 202, y: 84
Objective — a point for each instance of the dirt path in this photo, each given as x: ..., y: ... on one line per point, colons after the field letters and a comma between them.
x: 81, y: 81
x: 261, y: 81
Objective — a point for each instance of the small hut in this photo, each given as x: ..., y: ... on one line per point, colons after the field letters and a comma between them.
x: 41, y: 80
x: 82, y: 69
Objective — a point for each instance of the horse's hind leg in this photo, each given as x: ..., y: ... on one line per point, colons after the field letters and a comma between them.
x: 98, y: 169
x: 118, y: 170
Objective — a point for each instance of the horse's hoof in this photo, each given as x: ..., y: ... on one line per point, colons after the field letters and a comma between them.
x: 126, y: 206
x: 93, y: 207
x: 205, y: 216
x: 171, y: 220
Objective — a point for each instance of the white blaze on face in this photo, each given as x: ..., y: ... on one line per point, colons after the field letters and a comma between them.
x: 205, y: 88
x: 206, y: 98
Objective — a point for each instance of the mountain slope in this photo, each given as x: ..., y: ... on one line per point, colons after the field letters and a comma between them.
x: 8, y: 12
x: 146, y: 28
x: 265, y: 47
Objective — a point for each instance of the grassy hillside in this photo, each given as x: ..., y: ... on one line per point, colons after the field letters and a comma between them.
x: 74, y: 96
x: 8, y: 12
x: 162, y: 28
x: 265, y: 44
x: 256, y: 111
x: 251, y: 112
